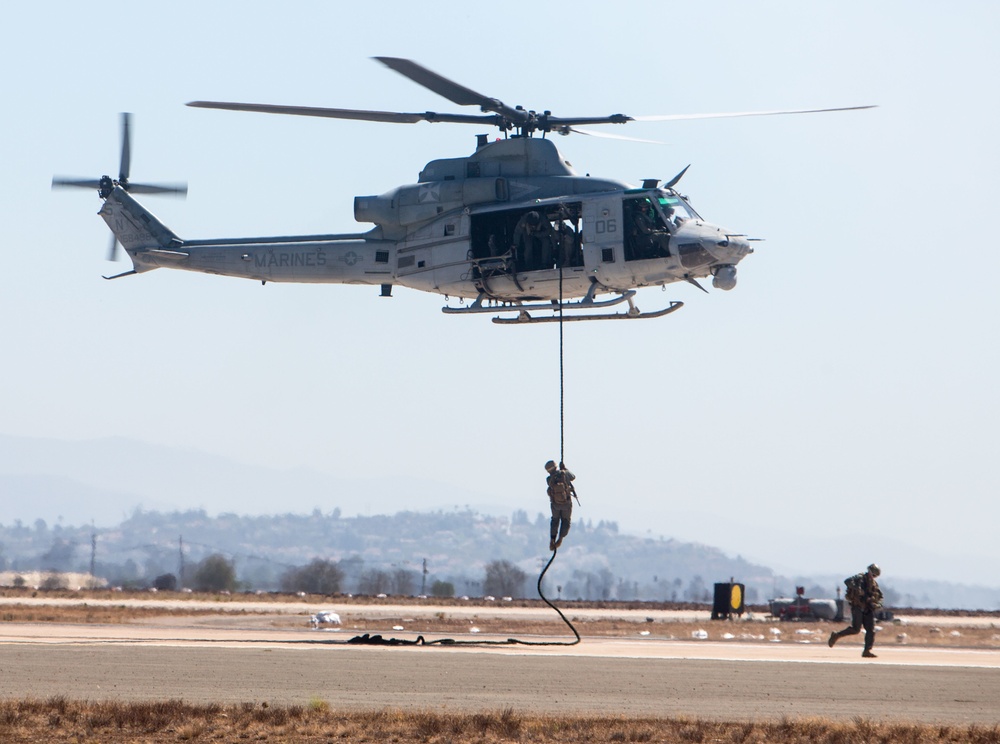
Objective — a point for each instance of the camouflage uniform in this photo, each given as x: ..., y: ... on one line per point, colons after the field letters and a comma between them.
x: 561, y: 492
x: 865, y: 598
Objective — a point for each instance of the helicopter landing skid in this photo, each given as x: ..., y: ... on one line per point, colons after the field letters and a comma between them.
x: 499, y: 306
x: 583, y: 307
x: 633, y: 313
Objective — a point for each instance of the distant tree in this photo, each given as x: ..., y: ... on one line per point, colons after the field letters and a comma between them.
x: 165, y: 583
x: 127, y: 574
x: 19, y: 581
x: 215, y: 574
x: 59, y: 557
x: 374, y: 581
x: 696, y: 591
x: 520, y: 518
x: 443, y: 589
x: 260, y: 574
x: 352, y: 567
x: 53, y: 581
x: 403, y: 582
x: 319, y: 577
x: 504, y: 579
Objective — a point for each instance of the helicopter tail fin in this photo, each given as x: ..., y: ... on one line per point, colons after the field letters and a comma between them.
x: 143, y: 236
x: 134, y: 225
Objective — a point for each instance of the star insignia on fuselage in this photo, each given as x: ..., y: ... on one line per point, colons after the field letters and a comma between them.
x: 350, y: 258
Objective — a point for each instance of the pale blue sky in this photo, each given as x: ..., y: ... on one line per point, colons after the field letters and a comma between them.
x: 845, y: 392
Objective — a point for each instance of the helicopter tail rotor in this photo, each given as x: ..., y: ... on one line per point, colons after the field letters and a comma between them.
x: 106, y: 184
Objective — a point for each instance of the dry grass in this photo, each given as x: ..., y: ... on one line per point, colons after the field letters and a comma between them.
x: 116, y: 615
x: 61, y: 720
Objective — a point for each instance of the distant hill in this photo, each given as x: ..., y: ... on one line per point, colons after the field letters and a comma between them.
x: 597, y: 561
x: 141, y: 497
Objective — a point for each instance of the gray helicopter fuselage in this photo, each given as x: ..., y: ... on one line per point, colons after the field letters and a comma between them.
x: 497, y: 224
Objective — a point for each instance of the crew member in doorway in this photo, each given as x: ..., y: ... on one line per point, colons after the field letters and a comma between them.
x: 561, y: 495
x: 865, y: 598
x: 534, y: 242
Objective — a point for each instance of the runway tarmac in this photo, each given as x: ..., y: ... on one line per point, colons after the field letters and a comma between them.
x: 631, y: 677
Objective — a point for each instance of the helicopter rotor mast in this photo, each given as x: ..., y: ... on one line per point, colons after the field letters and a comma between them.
x: 526, y: 122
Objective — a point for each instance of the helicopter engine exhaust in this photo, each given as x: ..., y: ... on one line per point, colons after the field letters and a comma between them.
x: 725, y: 278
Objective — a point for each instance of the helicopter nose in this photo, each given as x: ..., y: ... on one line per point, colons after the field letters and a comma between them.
x: 733, y: 247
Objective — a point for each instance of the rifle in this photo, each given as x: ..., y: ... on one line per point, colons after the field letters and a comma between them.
x: 572, y: 491
x: 572, y: 488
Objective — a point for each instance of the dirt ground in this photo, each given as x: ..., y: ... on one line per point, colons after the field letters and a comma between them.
x: 460, y: 618
x: 629, y: 662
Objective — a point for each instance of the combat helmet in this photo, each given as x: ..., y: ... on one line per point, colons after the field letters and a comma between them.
x: 874, y: 570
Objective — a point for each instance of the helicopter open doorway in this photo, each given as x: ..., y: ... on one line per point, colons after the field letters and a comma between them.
x: 508, y: 242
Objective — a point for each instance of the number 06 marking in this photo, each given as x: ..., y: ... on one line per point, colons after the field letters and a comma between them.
x: 605, y: 226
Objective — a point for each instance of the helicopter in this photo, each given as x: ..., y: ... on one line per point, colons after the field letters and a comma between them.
x: 510, y: 227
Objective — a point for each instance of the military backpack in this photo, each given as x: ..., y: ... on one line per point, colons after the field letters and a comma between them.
x: 855, y: 589
x: 559, y: 488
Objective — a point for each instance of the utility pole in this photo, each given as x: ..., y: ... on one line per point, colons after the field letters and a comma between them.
x: 93, y: 558
x: 180, y: 572
x: 423, y: 580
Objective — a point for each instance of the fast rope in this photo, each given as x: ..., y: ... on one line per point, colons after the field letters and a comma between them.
x: 377, y: 640
x: 369, y: 639
x: 562, y: 416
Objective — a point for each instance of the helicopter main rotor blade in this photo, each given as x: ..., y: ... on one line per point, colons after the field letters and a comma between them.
x: 396, y: 117
x: 606, y: 135
x: 505, y: 117
x: 126, y: 161
x: 450, y: 89
x: 682, y: 117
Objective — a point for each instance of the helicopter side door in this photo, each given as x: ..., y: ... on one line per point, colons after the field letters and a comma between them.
x: 602, y: 238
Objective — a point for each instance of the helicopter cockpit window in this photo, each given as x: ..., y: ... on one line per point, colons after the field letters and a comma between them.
x: 675, y: 210
x: 646, y: 233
